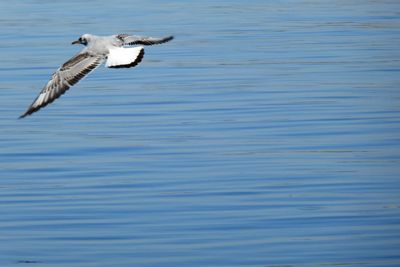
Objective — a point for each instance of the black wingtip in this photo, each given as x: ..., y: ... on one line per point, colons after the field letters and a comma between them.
x: 28, y: 112
x: 163, y: 40
x: 169, y: 38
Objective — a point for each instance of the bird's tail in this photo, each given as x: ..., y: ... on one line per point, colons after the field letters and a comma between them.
x: 124, y: 57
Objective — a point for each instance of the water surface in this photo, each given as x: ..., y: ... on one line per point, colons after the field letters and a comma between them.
x: 265, y: 134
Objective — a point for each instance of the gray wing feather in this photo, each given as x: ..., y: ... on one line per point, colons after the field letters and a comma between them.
x: 138, y: 40
x: 66, y: 76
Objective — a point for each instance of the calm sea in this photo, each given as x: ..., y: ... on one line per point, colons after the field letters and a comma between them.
x: 266, y: 134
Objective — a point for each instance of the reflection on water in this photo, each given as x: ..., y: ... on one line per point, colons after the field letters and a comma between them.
x: 266, y: 134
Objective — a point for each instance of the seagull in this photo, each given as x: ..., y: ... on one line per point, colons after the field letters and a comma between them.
x: 114, y: 50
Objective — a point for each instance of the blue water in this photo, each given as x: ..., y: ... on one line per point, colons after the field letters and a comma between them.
x: 266, y: 134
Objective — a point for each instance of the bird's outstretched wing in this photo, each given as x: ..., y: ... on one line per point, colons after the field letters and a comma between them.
x: 66, y: 76
x: 138, y: 40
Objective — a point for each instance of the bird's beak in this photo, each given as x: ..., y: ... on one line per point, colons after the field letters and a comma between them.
x: 76, y: 42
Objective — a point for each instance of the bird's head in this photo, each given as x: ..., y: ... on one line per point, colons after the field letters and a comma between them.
x: 84, y: 39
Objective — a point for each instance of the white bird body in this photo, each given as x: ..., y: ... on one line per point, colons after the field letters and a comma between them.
x: 99, y: 49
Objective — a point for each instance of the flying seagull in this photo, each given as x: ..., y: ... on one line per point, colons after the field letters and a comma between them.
x: 98, y: 49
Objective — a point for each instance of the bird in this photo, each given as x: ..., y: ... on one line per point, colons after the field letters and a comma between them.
x: 115, y: 51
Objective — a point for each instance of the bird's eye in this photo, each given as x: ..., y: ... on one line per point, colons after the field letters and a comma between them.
x: 83, y: 40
